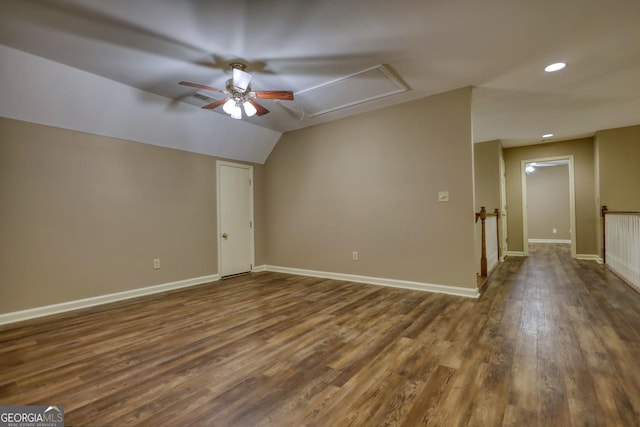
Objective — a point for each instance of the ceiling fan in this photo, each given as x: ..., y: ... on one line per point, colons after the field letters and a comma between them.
x: 239, y: 94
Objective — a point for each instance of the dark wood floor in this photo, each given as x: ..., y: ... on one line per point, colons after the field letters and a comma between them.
x: 552, y: 342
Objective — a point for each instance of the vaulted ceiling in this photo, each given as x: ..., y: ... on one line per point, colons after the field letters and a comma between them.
x: 500, y: 47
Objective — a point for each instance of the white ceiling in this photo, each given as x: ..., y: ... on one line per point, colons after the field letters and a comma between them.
x: 498, y: 46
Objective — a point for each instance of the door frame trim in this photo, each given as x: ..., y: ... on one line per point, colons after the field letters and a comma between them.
x: 572, y: 200
x: 220, y: 163
x: 503, y: 220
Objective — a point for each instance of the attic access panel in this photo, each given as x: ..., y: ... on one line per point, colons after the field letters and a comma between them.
x: 354, y: 89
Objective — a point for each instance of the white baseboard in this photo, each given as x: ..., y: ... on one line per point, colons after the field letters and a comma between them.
x: 405, y: 284
x: 514, y: 253
x: 548, y: 241
x: 589, y: 257
x: 31, y: 313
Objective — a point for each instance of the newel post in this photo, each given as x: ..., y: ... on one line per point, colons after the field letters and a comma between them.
x: 482, y: 215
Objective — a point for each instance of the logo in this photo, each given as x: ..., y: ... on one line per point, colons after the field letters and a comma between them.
x: 31, y: 416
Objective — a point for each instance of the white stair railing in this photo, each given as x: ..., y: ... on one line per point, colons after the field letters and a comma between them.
x: 492, y: 241
x: 621, y: 248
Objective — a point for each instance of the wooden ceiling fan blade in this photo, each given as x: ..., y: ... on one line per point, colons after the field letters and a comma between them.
x: 215, y: 104
x: 284, y: 95
x: 260, y: 109
x: 196, y: 85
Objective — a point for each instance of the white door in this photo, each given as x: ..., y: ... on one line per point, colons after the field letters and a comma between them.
x: 503, y: 207
x: 235, y: 218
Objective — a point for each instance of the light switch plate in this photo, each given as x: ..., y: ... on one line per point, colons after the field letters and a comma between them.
x: 443, y: 196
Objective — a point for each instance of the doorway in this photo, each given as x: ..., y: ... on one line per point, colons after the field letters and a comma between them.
x: 235, y: 218
x: 541, y: 164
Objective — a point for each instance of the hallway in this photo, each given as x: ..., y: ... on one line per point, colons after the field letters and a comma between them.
x: 576, y: 334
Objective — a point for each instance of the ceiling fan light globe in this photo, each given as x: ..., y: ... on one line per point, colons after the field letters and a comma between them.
x: 229, y: 106
x: 237, y: 111
x: 249, y: 109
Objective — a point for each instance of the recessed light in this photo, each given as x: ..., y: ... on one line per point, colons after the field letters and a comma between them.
x: 555, y: 67
x: 547, y: 135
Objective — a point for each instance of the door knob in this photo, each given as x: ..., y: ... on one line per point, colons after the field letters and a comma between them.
x: 225, y: 235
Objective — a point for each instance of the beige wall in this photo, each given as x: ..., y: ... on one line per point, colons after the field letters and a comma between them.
x: 84, y: 215
x: 617, y: 153
x: 486, y: 169
x: 369, y: 183
x: 619, y: 164
x: 548, y: 203
x: 586, y: 218
x: 259, y: 208
x: 487, y: 174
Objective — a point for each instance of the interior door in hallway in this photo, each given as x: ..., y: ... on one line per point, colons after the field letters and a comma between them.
x: 235, y: 218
